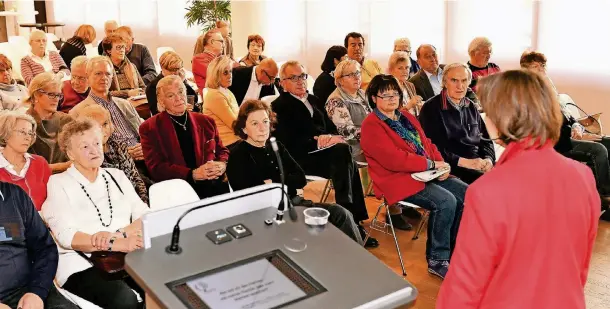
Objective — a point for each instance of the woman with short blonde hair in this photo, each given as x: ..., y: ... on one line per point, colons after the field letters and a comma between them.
x: 41, y: 60
x: 75, y: 46
x: 219, y: 102
x: 12, y: 94
x: 399, y: 66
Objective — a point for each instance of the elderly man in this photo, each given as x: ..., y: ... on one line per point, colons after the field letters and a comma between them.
x: 179, y: 144
x: 479, y: 51
x: 354, y: 42
x: 302, y: 126
x: 213, y: 45
x: 76, y: 89
x: 254, y: 82
x: 454, y: 125
x: 225, y: 28
x: 139, y: 55
x: 110, y: 27
x: 404, y: 45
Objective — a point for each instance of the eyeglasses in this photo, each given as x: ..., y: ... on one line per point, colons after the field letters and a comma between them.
x: 356, y: 74
x: 120, y: 47
x: 221, y: 41
x: 2, y: 71
x: 79, y: 78
x: 297, y: 78
x: 23, y: 133
x: 271, y: 78
x: 52, y: 95
x: 389, y: 97
x: 174, y: 70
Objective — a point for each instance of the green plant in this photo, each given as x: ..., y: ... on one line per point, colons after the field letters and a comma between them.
x: 205, y: 13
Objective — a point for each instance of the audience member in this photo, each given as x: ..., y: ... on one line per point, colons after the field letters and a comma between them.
x: 45, y: 94
x: 126, y: 81
x: 252, y: 163
x: 28, y: 254
x: 254, y: 83
x: 116, y: 154
x: 325, y: 83
x: 12, y: 94
x: 454, y: 125
x: 91, y: 209
x: 110, y: 27
x: 30, y: 172
x: 179, y: 144
x: 75, y: 46
x: 427, y: 81
x: 479, y: 51
x: 347, y: 105
x: 224, y: 26
x: 76, y: 89
x: 404, y: 45
x: 171, y: 64
x: 213, y: 45
x: 399, y: 66
x: 303, y: 129
x: 139, y: 55
x: 256, y: 47
x: 396, y: 147
x: 219, y: 103
x: 40, y: 60
x: 506, y: 254
x: 354, y: 42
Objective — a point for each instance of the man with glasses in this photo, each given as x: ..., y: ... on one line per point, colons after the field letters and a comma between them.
x: 354, y: 42
x: 254, y: 82
x: 213, y: 46
x: 404, y: 45
x: 139, y: 55
x: 76, y: 89
x: 480, y: 52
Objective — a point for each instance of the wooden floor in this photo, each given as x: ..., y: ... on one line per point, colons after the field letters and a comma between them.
x: 413, y: 251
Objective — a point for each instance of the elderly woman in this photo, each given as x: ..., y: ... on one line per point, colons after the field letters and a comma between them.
x: 396, y: 147
x: 454, y: 125
x: 116, y: 154
x: 179, y: 144
x: 40, y: 60
x: 480, y: 51
x: 252, y: 163
x: 30, y: 172
x: 90, y: 209
x: 12, y: 94
x: 256, y: 47
x: 75, y: 46
x: 126, y: 81
x: 404, y: 45
x: 502, y: 230
x: 219, y: 102
x: 171, y: 64
x: 399, y: 66
x: 325, y: 83
x: 45, y: 94
x: 347, y: 106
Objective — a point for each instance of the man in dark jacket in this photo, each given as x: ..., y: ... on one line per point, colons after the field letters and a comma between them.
x: 254, y: 82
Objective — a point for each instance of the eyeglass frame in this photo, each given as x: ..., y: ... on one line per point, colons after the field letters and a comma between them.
x: 297, y: 78
x: 25, y: 134
x: 52, y: 95
x: 355, y: 74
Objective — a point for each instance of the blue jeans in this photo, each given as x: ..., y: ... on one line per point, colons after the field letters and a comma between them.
x: 445, y: 201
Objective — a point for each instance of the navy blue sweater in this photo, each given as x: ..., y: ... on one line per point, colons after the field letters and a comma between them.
x: 28, y: 254
x: 456, y: 133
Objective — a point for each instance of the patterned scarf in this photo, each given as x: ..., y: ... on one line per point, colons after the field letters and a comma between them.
x: 405, y: 129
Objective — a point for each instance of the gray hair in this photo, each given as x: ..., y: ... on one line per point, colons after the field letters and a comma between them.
x: 290, y: 63
x: 97, y: 59
x: 343, y: 66
x: 37, y: 34
x: 477, y: 43
x: 397, y: 57
x: 450, y: 67
x: 8, y: 120
x: 165, y: 82
x: 79, y: 60
x: 400, y: 41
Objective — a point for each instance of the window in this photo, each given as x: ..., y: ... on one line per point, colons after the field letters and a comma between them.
x: 284, y: 29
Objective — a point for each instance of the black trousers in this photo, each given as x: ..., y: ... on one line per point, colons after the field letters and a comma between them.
x: 465, y: 174
x: 54, y: 299
x: 336, y: 163
x: 595, y: 155
x: 209, y: 188
x: 93, y: 286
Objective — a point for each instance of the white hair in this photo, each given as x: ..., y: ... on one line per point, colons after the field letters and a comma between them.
x: 477, y: 43
x: 37, y: 34
x: 111, y: 22
x: 95, y: 60
x: 400, y: 41
x: 79, y: 60
x: 450, y: 67
x: 286, y: 65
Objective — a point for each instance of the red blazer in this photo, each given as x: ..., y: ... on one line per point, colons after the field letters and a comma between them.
x: 35, y: 181
x: 71, y: 97
x: 200, y: 68
x: 391, y: 160
x: 161, y: 148
x: 526, y: 235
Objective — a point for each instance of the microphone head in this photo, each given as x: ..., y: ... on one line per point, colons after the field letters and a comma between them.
x: 293, y: 214
x: 273, y: 142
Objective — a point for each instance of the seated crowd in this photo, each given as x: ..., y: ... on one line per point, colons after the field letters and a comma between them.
x: 74, y: 147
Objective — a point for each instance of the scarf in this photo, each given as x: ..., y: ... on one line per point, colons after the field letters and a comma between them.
x: 128, y: 70
x: 9, y: 87
x: 405, y: 129
x: 445, y: 104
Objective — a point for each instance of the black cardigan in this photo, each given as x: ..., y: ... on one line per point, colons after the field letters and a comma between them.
x: 324, y: 86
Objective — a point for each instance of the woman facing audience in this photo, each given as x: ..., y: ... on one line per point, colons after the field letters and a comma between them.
x: 115, y: 152
x: 41, y: 60
x: 126, y: 81
x: 30, y: 172
x: 179, y: 144
x: 325, y: 83
x: 256, y: 47
x: 45, y: 94
x: 400, y: 67
x: 90, y: 209
x: 219, y: 102
x: 12, y: 94
x: 171, y: 64
x: 75, y: 46
x: 515, y: 249
x: 396, y: 147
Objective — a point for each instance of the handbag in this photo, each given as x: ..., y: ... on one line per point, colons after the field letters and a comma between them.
x: 109, y: 263
x: 590, y: 122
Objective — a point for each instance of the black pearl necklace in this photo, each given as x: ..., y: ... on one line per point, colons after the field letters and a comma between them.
x: 96, y: 208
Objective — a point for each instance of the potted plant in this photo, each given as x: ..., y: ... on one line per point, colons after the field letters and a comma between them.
x: 205, y: 13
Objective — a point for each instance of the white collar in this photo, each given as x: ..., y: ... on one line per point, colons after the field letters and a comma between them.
x: 80, y: 178
x: 439, y: 72
x: 46, y: 56
x: 4, y: 162
x: 253, y: 78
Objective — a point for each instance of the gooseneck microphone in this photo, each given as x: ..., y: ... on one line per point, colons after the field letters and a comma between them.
x: 279, y: 218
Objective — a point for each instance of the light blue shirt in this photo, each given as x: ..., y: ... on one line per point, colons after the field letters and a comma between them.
x: 435, y: 80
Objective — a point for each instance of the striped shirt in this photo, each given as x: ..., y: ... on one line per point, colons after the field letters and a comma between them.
x: 124, y: 132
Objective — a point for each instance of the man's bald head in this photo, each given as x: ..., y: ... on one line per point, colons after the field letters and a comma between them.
x: 110, y: 27
x: 270, y: 66
x: 266, y: 71
x: 427, y: 58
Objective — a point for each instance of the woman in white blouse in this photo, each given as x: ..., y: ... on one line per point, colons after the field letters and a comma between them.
x: 89, y: 209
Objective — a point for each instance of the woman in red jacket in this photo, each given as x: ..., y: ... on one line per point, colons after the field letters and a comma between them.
x: 395, y: 147
x: 527, y: 233
x: 28, y: 171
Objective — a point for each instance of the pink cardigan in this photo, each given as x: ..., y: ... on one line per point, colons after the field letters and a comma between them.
x: 30, y: 68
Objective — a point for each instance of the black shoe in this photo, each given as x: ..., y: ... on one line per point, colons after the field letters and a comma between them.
x: 399, y: 222
x: 410, y: 212
x: 371, y: 242
x: 300, y: 201
x: 605, y: 216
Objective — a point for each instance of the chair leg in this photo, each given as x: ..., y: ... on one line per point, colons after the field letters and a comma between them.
x: 369, y: 189
x: 402, y: 265
x: 373, y: 222
x: 326, y: 188
x: 424, y: 219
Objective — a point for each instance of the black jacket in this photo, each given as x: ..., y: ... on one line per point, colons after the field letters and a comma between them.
x: 151, y: 95
x: 564, y: 144
x: 423, y: 88
x: 241, y: 83
x: 69, y: 52
x: 324, y: 86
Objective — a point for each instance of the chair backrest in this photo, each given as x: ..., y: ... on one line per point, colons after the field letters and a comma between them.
x: 171, y: 193
x: 270, y: 98
x: 310, y: 82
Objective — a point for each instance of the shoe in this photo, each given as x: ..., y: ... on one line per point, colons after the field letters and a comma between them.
x: 438, y: 268
x: 371, y: 242
x: 605, y: 216
x: 410, y: 212
x: 399, y: 222
x: 300, y: 201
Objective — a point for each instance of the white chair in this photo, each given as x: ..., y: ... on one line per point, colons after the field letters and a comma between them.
x: 171, y: 193
x: 386, y: 227
x: 20, y: 44
x: 310, y: 82
x: 424, y: 218
x: 328, y: 187
x: 270, y: 98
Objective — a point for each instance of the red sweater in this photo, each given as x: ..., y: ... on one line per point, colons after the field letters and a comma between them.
x: 200, y: 68
x: 71, y: 97
x: 526, y: 235
x: 35, y: 181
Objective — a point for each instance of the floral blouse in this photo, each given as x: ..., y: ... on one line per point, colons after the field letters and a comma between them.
x: 347, y: 113
x: 117, y: 157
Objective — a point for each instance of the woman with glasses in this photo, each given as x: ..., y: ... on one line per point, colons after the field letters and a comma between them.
x: 41, y: 60
x: 171, y: 64
x: 28, y: 171
x: 126, y: 81
x: 396, y: 147
x: 219, y: 102
x: 325, y: 83
x: 45, y: 94
x: 12, y: 94
x: 256, y: 47
x: 399, y: 66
